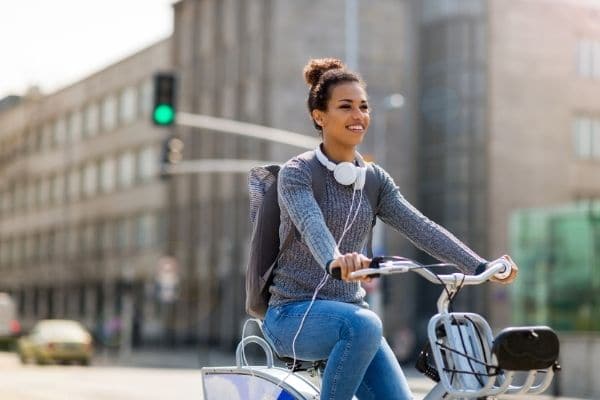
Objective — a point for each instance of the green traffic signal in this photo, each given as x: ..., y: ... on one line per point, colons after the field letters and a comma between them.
x: 164, y: 114
x: 165, y: 97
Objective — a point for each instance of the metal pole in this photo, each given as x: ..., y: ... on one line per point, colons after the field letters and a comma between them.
x: 352, y: 34
x: 246, y: 129
x: 391, y: 102
x: 213, y: 165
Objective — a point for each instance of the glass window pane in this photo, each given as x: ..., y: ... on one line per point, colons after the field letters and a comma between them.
x: 596, y: 60
x: 60, y: 132
x: 122, y: 234
x: 90, y: 175
x: 108, y: 174
x: 74, y: 184
x: 58, y: 188
x: 43, y: 193
x: 126, y: 169
x: 128, y: 105
x: 75, y: 126
x: 91, y: 120
x: 146, y: 97
x: 596, y: 139
x: 584, y: 58
x: 583, y: 137
x: 109, y: 113
x: 46, y: 139
x: 148, y: 163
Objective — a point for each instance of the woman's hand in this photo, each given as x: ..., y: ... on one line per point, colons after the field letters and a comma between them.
x: 349, y: 263
x: 514, y: 270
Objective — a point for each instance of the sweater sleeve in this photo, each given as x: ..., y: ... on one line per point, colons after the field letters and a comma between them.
x: 297, y: 198
x: 428, y: 236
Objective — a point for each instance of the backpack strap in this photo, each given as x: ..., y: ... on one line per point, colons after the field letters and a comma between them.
x: 318, y: 187
x: 372, y: 190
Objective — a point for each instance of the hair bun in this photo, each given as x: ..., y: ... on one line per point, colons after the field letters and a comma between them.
x: 318, y: 66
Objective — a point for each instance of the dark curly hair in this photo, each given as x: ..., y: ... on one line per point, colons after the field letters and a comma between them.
x: 322, y: 75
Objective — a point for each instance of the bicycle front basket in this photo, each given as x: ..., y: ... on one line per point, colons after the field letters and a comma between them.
x: 526, y: 348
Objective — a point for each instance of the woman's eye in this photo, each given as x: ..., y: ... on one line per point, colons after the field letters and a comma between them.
x: 346, y: 106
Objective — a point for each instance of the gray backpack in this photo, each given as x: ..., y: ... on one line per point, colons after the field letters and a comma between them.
x: 265, y: 248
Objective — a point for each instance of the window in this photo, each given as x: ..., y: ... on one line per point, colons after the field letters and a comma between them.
x: 91, y: 120
x: 30, y: 249
x: 588, y: 58
x: 51, y: 189
x: 43, y: 192
x: 19, y: 191
x: 148, y: 163
x: 46, y: 138
x: 145, y: 230
x: 109, y: 113
x: 75, y: 126
x: 30, y: 140
x: 108, y: 175
x: 72, y: 245
x: 121, y: 234
x: 58, y: 188
x: 596, y: 139
x: 43, y: 247
x: 146, y: 97
x: 30, y: 199
x: 74, y: 182
x: 60, y: 132
x: 126, y: 169
x: 90, y: 179
x: 128, y: 105
x: 89, y: 242
x: 586, y: 136
x: 105, y: 236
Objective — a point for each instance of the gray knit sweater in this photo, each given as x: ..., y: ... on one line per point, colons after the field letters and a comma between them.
x: 302, y: 264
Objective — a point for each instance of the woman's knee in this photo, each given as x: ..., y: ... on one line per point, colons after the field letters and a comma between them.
x: 367, y: 326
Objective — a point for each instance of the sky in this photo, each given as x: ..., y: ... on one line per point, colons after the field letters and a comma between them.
x: 54, y: 43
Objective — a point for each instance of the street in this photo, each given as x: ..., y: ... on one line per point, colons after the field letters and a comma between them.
x: 125, y: 382
x: 31, y: 382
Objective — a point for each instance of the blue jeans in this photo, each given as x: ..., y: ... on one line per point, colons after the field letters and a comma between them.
x: 360, y: 361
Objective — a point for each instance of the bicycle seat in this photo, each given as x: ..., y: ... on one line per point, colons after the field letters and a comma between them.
x: 526, y: 348
x: 302, y: 365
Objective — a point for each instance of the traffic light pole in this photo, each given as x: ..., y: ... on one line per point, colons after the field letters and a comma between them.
x: 246, y: 129
x: 213, y: 165
x: 235, y: 128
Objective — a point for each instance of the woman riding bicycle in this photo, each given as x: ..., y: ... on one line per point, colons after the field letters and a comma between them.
x: 312, y: 316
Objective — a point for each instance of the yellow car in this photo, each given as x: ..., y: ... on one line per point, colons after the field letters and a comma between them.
x: 56, y: 340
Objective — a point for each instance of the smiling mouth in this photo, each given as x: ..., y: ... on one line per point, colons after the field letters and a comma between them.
x: 356, y: 128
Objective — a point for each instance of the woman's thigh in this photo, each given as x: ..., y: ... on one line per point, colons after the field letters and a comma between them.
x: 326, y: 324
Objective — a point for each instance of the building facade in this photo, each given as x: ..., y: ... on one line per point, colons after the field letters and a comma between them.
x: 82, y: 208
x: 500, y: 112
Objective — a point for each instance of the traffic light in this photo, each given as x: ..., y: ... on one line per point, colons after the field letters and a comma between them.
x: 172, y: 151
x: 163, y: 112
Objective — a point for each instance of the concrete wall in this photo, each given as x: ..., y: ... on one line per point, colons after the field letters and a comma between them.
x: 580, y: 362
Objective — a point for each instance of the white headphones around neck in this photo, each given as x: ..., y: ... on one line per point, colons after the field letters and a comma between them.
x: 345, y: 173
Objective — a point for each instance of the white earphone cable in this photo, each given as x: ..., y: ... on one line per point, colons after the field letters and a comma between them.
x: 347, y: 225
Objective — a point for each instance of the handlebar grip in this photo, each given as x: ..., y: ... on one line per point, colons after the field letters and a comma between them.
x: 336, y: 273
x: 504, y: 273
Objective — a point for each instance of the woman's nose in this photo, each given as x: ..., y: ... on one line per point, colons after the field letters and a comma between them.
x: 357, y: 113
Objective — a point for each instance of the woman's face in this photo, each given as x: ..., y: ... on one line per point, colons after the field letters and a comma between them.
x: 347, y: 118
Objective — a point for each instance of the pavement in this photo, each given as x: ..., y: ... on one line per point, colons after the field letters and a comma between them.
x: 198, y: 357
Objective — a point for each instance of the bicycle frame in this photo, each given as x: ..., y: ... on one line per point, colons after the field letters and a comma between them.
x: 461, y: 345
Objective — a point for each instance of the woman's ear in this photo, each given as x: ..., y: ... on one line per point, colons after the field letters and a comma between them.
x: 319, y: 117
